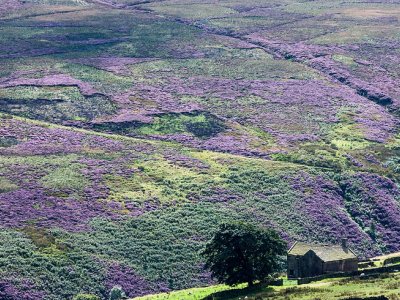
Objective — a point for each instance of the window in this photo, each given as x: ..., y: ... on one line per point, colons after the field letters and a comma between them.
x: 291, y: 272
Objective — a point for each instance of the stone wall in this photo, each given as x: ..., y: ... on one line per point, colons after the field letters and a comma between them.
x: 362, y: 273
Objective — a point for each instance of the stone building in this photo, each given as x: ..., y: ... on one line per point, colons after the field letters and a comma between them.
x: 309, y: 260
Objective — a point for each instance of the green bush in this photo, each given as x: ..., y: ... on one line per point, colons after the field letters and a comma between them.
x: 117, y: 293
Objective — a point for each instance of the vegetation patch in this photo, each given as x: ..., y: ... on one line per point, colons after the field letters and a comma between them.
x: 56, y: 104
x: 8, y: 142
x: 199, y: 124
x: 65, y: 178
x: 6, y: 185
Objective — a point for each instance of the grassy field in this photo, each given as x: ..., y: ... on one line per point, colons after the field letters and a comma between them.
x: 196, y: 293
x: 384, y: 285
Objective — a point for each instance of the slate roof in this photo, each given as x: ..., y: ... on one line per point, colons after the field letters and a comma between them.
x: 324, y: 252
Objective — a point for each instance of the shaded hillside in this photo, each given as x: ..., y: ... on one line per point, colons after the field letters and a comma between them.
x: 129, y: 130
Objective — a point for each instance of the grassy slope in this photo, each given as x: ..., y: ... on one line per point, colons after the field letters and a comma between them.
x: 387, y: 285
x: 184, y: 129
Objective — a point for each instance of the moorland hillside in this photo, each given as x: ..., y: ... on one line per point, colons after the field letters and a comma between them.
x: 130, y: 130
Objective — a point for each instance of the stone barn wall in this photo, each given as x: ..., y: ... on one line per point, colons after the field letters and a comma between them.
x: 347, y: 265
x: 307, y: 265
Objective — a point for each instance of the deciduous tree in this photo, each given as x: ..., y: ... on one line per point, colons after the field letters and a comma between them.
x: 241, y: 252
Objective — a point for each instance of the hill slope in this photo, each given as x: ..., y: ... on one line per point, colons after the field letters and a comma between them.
x: 386, y: 286
x: 130, y: 130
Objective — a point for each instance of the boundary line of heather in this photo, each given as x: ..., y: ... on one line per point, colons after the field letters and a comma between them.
x: 153, y: 142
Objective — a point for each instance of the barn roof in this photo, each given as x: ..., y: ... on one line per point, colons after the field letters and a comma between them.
x: 324, y: 252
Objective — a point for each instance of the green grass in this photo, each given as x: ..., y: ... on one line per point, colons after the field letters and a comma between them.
x: 37, y: 92
x: 54, y: 103
x: 159, y: 179
x: 237, y: 23
x: 349, y: 61
x: 192, y: 11
x: 347, y: 135
x: 190, y: 294
x: 233, y: 68
x: 6, y: 185
x: 65, y: 178
x: 330, y: 289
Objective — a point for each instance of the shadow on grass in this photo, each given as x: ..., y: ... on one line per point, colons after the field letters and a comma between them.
x: 230, y: 294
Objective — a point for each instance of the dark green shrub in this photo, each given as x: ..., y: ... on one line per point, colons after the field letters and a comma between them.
x: 205, y: 128
x: 117, y: 293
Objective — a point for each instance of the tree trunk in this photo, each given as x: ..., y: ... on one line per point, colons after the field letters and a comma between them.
x: 250, y: 283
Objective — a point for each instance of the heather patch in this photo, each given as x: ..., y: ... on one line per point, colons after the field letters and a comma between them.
x: 39, y: 140
x: 124, y: 276
x: 42, y: 210
x: 8, y: 6
x: 279, y: 108
x: 372, y: 201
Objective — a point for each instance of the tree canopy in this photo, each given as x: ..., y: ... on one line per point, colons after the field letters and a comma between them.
x: 241, y: 252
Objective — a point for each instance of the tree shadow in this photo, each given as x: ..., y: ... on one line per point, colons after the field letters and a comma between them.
x: 230, y: 294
